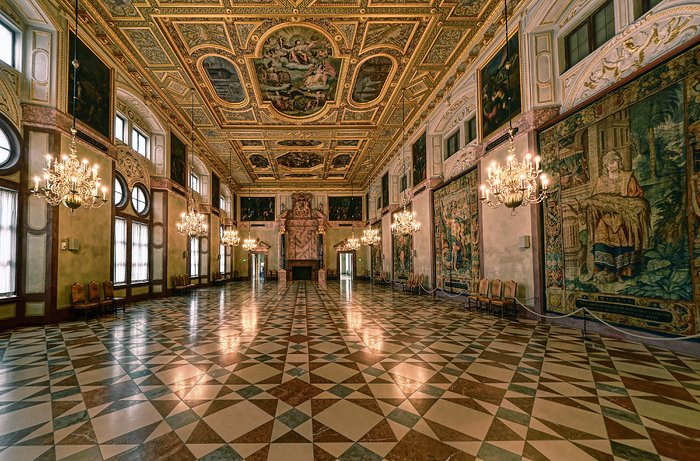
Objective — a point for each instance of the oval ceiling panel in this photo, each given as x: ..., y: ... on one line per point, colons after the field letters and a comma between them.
x: 223, y: 76
x: 370, y: 79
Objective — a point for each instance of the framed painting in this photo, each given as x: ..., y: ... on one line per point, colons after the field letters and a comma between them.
x: 402, y: 250
x: 493, y: 88
x: 456, y: 218
x: 419, y: 160
x: 621, y: 228
x: 93, y: 105
x: 257, y: 208
x: 345, y: 208
x: 178, y: 160
x: 215, y: 191
x: 385, y: 190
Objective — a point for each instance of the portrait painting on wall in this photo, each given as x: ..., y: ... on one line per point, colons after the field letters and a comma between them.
x: 215, y: 191
x: 94, y: 89
x: 621, y: 222
x: 257, y: 208
x: 345, y: 208
x: 178, y: 160
x: 456, y: 218
x: 419, y: 160
x: 494, y: 83
x: 235, y: 206
x: 385, y: 190
x: 402, y: 248
x: 297, y: 72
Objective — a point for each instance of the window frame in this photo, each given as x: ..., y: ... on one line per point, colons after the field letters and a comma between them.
x: 147, y: 199
x: 588, y: 22
x: 147, y: 228
x: 118, y: 178
x: 449, y: 141
x: 470, y: 129
x: 195, y: 263
x: 140, y: 133
x: 16, y: 41
x: 194, y: 178
x: 125, y: 128
x: 222, y: 252
x: 15, y: 251
x: 126, y: 252
x: 642, y: 7
x: 15, y: 151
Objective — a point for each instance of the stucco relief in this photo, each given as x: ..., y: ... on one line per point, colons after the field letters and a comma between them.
x: 632, y: 49
x: 9, y: 101
x: 133, y: 167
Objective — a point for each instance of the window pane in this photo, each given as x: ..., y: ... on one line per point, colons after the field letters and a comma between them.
x: 577, y: 45
x: 222, y: 259
x: 194, y: 182
x: 452, y: 145
x: 138, y: 200
x: 194, y: 257
x: 4, y: 148
x: 139, y: 252
x: 471, y: 129
x: 7, y: 50
x: 118, y: 192
x: 119, y: 250
x: 8, y: 237
x: 604, y: 25
x: 119, y: 128
x: 646, y: 5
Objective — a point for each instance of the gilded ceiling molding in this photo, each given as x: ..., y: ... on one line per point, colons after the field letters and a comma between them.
x: 635, y: 47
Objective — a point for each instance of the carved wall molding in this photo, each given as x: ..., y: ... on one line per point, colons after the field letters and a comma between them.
x: 9, y: 95
x: 630, y: 50
x: 133, y: 167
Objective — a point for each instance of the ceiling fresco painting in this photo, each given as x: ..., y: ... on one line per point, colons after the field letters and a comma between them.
x: 313, y: 87
x: 297, y: 72
x: 224, y: 77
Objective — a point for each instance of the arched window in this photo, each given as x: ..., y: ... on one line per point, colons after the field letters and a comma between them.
x: 119, y: 191
x: 9, y: 146
x: 140, y: 200
x: 9, y: 211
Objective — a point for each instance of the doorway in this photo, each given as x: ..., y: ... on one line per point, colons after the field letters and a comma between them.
x: 347, y: 266
x: 257, y: 266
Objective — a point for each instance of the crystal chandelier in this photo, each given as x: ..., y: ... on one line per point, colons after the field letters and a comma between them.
x: 70, y: 182
x: 405, y: 222
x: 192, y: 223
x: 516, y: 183
x: 249, y: 244
x: 352, y: 244
x: 370, y: 237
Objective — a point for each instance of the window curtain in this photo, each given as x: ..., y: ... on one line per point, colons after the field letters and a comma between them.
x: 119, y: 250
x: 139, y: 252
x: 8, y: 237
x: 194, y: 257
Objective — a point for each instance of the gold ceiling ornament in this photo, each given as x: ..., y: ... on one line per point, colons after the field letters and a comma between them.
x: 230, y: 236
x: 192, y: 223
x: 70, y: 182
x: 405, y: 222
x: 516, y: 183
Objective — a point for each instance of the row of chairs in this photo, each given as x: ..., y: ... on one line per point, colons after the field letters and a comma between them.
x: 495, y: 295
x: 92, y: 301
x: 182, y: 283
x: 413, y: 283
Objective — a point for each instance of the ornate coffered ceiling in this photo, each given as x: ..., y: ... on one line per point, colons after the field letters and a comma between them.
x: 300, y: 92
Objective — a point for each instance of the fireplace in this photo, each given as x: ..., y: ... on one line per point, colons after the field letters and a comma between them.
x: 301, y: 272
x: 302, y: 269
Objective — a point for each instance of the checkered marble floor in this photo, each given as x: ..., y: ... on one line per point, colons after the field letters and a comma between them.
x: 352, y: 373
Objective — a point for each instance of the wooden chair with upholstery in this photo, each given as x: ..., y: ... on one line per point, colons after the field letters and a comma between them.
x: 483, y: 292
x: 108, y: 288
x: 94, y: 297
x: 496, y: 294
x: 508, y: 301
x: 78, y: 300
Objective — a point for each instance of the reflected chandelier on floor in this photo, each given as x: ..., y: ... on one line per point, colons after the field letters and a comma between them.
x: 69, y: 181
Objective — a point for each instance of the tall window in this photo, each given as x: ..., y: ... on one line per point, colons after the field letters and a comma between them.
x: 120, y: 128
x: 222, y: 253
x: 597, y: 29
x: 222, y: 203
x: 119, y: 250
x: 139, y: 142
x: 7, y: 50
x: 8, y: 237
x: 194, y: 257
x: 471, y: 129
x: 139, y: 252
x: 194, y: 183
x: 452, y: 145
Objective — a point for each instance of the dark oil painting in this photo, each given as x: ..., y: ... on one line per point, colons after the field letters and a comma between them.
x: 494, y: 81
x: 257, y: 208
x: 178, y: 159
x: 215, y: 191
x: 371, y: 78
x: 385, y: 190
x: 419, y: 160
x: 345, y: 208
x: 94, y: 89
x: 224, y: 77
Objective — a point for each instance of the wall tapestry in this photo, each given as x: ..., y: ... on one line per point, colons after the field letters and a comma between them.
x: 402, y: 247
x: 178, y: 156
x: 419, y: 160
x: 385, y: 190
x: 376, y: 254
x: 456, y: 218
x: 345, y: 208
x: 215, y: 191
x: 257, y: 208
x: 297, y: 72
x: 493, y: 88
x: 93, y: 104
x: 622, y: 224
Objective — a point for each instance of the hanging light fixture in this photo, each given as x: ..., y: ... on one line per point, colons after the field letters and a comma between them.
x: 352, y: 243
x: 405, y: 222
x: 370, y: 237
x: 70, y: 182
x: 514, y: 184
x: 230, y: 236
x: 192, y: 223
x: 250, y: 243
